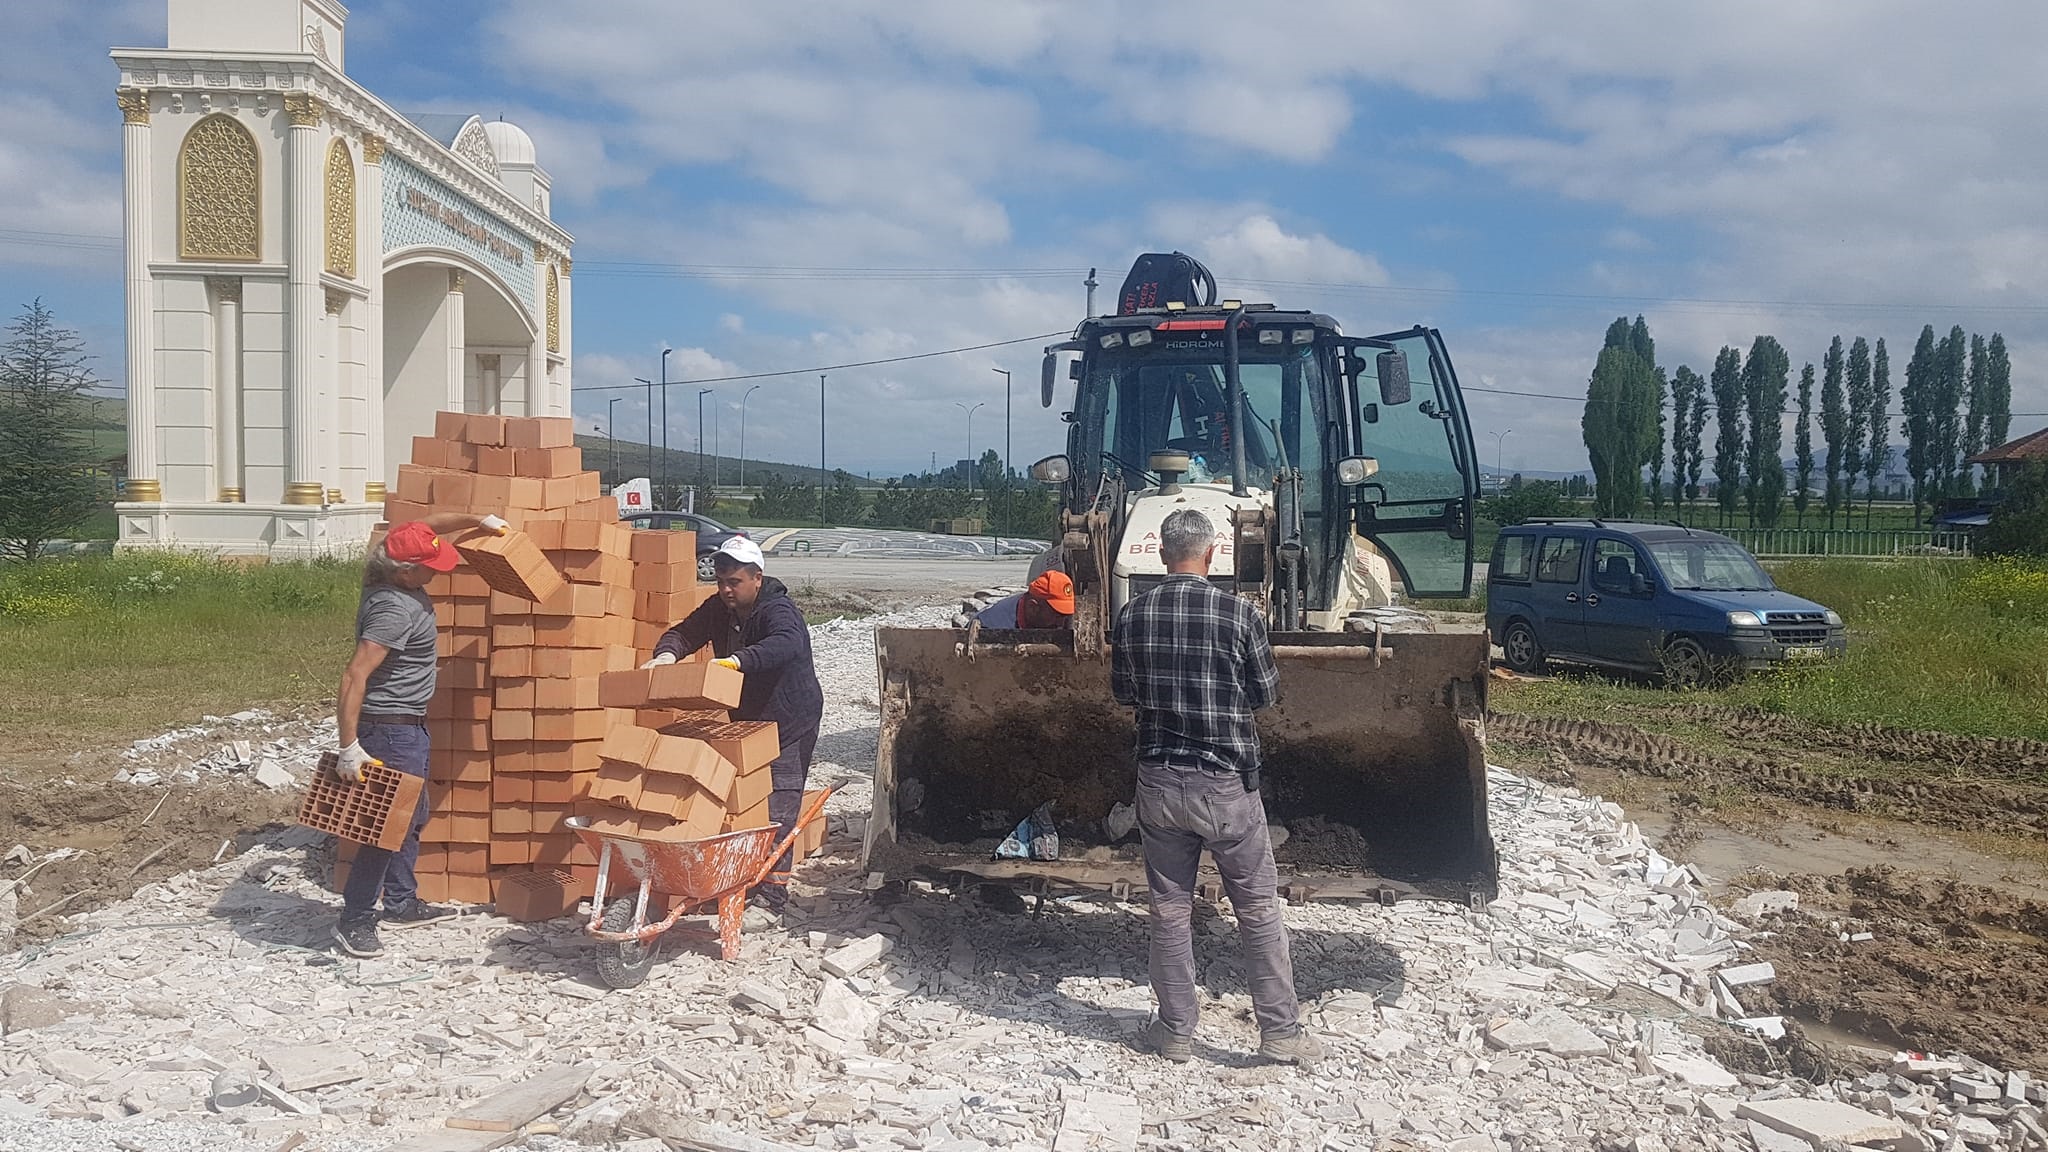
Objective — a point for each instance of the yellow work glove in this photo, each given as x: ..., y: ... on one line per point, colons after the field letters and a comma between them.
x: 732, y: 662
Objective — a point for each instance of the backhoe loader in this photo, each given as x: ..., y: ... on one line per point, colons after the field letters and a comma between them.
x: 1340, y: 475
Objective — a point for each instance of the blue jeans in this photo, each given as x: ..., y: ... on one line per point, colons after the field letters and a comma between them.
x: 402, y: 748
x: 792, y: 770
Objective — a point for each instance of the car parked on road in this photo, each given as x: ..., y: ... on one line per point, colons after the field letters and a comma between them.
x: 710, y: 533
x: 1690, y: 605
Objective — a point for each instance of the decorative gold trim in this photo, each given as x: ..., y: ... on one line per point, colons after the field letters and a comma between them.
x: 340, y: 210
x: 373, y: 149
x: 554, y: 310
x: 303, y: 108
x: 455, y: 280
x: 334, y: 496
x: 473, y: 144
x: 540, y: 252
x: 139, y: 491
x: 565, y: 265
x: 336, y: 301
x: 374, y: 492
x: 231, y: 496
x: 219, y: 186
x: 304, y: 493
x: 134, y: 104
x: 226, y: 289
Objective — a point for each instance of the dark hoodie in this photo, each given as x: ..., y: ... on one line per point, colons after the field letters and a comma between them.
x: 774, y: 650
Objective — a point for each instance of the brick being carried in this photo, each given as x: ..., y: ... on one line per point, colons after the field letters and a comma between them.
x: 512, y: 564
x: 377, y: 810
x: 750, y: 745
x: 687, y: 686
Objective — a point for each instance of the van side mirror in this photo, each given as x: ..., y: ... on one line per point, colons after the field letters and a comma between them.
x: 1045, y: 374
x: 1393, y: 374
x: 1639, y: 584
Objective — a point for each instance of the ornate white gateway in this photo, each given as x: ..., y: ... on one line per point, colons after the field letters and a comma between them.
x: 310, y: 276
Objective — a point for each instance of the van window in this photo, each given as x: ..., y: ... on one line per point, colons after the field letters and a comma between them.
x: 1511, y: 556
x: 1558, y: 561
x: 1614, y: 565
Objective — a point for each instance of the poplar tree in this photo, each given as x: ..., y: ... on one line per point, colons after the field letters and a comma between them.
x: 1857, y: 436
x: 1879, y: 453
x: 1695, y: 428
x: 1802, y: 444
x: 1686, y: 396
x: 1998, y: 388
x: 1916, y: 409
x: 1763, y: 387
x: 1621, y: 418
x: 1727, y: 385
x: 1834, y: 424
x: 1980, y: 405
x: 1945, y: 413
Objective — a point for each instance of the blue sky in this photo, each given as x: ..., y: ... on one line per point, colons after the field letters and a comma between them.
x: 1515, y: 174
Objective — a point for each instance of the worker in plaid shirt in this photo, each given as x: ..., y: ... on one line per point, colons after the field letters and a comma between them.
x: 1195, y: 662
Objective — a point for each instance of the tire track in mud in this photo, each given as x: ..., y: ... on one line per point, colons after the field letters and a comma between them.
x: 1991, y: 794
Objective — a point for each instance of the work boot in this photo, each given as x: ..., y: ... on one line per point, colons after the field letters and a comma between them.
x: 1157, y: 1037
x: 356, y: 933
x: 415, y: 912
x: 1296, y: 1048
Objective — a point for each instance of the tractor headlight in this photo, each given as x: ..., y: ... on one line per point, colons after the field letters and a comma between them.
x: 1139, y: 338
x: 1304, y: 336
x: 1112, y: 340
x: 1271, y: 336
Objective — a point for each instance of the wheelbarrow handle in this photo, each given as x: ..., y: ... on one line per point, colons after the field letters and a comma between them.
x: 811, y: 811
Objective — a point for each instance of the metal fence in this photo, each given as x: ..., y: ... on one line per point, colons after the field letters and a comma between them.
x: 1875, y: 542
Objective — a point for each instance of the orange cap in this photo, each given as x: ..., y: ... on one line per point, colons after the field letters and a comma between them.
x: 1056, y: 590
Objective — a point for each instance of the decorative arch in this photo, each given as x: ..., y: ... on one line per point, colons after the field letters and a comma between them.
x: 341, y: 210
x: 554, y: 310
x: 219, y: 179
x: 473, y: 144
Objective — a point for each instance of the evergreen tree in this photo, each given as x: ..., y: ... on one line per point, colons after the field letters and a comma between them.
x: 1763, y: 387
x: 1879, y: 453
x: 1727, y: 385
x: 1657, y: 439
x: 1685, y: 394
x: 1980, y: 407
x: 2019, y: 523
x: 1998, y: 390
x: 1946, y: 413
x: 1857, y: 435
x: 1834, y: 425
x: 1916, y: 409
x: 1695, y: 428
x: 46, y: 484
x: 1802, y: 444
x: 1618, y: 426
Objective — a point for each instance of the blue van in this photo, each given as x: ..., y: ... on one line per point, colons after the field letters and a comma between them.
x: 1690, y: 605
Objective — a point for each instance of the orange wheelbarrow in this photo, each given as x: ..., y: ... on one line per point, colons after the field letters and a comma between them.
x: 710, y: 875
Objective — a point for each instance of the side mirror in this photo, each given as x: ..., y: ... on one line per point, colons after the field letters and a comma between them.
x: 1393, y: 374
x: 1355, y: 470
x: 1052, y: 469
x: 1639, y: 584
x: 1045, y: 375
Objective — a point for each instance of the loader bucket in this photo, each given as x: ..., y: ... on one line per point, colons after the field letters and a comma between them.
x: 1374, y: 763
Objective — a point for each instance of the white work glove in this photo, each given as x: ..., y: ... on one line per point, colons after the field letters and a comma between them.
x: 732, y: 662
x: 496, y: 524
x: 660, y: 659
x: 348, y: 765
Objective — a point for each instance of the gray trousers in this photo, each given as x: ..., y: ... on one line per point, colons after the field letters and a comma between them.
x: 1180, y: 812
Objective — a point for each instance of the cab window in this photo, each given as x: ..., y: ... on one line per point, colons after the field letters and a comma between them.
x: 1511, y: 559
x: 1615, y: 566
x: 1558, y: 560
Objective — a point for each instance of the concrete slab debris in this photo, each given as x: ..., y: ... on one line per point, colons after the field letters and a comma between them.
x: 1818, y: 1120
x: 298, y: 1068
x: 856, y: 956
x: 1767, y: 903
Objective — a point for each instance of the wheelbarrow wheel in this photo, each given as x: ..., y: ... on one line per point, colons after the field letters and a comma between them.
x: 625, y: 963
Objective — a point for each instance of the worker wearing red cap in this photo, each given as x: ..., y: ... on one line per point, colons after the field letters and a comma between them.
x: 381, y: 711
x: 1047, y: 603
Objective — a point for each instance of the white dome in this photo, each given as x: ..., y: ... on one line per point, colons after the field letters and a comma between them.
x: 510, y: 142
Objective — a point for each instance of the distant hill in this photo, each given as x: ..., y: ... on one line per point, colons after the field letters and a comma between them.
x: 633, y: 460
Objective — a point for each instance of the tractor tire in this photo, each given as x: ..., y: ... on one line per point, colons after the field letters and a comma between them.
x: 623, y: 964
x: 1520, y: 649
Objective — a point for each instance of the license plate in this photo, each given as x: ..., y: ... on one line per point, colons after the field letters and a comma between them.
x: 1805, y: 652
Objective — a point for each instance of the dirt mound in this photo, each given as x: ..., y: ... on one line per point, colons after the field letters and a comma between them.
x: 1979, y: 797
x: 1951, y: 966
x: 125, y: 836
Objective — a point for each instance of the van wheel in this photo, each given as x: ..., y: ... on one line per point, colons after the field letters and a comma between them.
x: 1687, y: 666
x: 1519, y: 648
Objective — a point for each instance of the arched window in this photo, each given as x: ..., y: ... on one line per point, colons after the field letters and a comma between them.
x: 554, y: 310
x: 341, y: 210
x: 219, y: 211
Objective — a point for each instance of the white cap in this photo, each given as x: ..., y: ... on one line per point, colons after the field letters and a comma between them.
x: 741, y: 549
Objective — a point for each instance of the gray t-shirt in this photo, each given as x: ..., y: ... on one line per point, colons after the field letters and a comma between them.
x: 401, y: 619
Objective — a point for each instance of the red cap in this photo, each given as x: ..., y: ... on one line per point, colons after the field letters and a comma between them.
x: 415, y: 543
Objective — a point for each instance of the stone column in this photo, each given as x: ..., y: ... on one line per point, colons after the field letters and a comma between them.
x: 305, y: 302
x: 144, y: 486
x: 489, y: 384
x: 559, y: 394
x: 227, y: 387
x: 370, y: 266
x: 458, y: 347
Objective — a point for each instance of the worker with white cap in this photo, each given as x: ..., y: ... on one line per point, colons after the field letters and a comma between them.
x: 754, y: 627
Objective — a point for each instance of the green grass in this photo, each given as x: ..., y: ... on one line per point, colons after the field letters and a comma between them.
x: 1937, y: 645
x: 108, y: 648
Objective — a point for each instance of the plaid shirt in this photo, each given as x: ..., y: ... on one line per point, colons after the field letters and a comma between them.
x: 1195, y: 661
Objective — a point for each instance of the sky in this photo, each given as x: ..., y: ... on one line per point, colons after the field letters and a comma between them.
x: 774, y: 186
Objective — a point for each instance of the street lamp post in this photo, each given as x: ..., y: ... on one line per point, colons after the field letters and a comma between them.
x: 1006, y: 452
x: 743, y: 434
x: 1500, y: 440
x: 664, y: 418
x: 701, y: 394
x: 611, y: 417
x: 970, y: 440
x: 821, y: 449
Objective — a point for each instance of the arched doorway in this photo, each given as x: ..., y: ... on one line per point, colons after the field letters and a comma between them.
x: 456, y: 338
